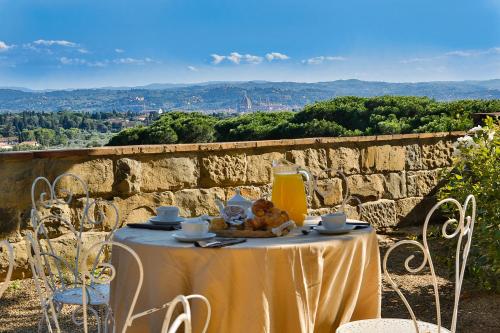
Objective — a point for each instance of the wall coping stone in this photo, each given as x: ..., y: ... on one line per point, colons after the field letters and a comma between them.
x: 216, y: 146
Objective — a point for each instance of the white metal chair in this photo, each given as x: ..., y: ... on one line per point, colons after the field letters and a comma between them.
x: 57, y: 276
x: 10, y: 253
x: 169, y: 325
x: 464, y: 228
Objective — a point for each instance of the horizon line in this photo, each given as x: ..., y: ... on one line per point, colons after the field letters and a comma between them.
x: 144, y: 86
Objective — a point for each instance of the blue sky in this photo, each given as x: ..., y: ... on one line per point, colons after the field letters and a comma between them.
x: 94, y: 43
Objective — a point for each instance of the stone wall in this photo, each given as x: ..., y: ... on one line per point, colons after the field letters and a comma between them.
x: 393, y: 175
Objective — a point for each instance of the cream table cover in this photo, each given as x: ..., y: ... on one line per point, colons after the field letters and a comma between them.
x: 289, y: 284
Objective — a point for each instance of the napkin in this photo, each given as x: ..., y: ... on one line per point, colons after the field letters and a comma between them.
x: 219, y: 242
x: 154, y: 226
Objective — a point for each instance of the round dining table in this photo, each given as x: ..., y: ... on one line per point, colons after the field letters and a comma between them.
x: 295, y: 283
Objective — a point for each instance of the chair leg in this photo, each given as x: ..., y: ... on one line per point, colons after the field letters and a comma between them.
x: 108, y: 319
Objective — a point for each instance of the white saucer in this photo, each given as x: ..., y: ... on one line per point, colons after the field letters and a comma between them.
x: 338, y: 231
x: 181, y: 237
x: 158, y: 220
x: 358, y: 222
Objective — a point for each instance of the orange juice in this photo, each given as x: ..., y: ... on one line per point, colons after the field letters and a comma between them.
x: 289, y: 194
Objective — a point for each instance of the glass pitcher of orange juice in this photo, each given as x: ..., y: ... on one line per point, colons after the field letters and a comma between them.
x: 289, y: 189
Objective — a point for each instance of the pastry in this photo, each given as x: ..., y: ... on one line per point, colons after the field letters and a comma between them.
x: 261, y: 206
x: 255, y: 223
x: 218, y: 223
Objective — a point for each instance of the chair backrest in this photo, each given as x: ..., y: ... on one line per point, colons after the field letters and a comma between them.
x: 43, y: 286
x: 49, y: 200
x: 462, y: 228
x: 168, y: 326
x: 10, y: 256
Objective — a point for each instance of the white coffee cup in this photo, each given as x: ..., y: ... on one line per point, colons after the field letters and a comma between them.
x: 194, y: 227
x: 334, y: 221
x: 168, y: 213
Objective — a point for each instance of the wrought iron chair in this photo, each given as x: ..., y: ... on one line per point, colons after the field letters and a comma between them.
x: 10, y: 253
x: 57, y: 277
x: 170, y: 324
x: 463, y: 229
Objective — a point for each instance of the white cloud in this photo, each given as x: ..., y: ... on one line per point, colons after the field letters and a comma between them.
x: 192, y: 68
x: 416, y: 60
x: 133, y: 61
x: 119, y: 50
x: 4, y: 46
x: 459, y: 53
x: 55, y: 42
x: 83, y: 51
x: 217, y: 59
x: 276, y: 56
x: 236, y: 58
x: 252, y: 59
x: 321, y: 59
x: 454, y: 54
x: 80, y: 61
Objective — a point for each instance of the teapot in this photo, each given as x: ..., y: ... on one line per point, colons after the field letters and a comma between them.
x: 236, y: 208
x: 289, y: 189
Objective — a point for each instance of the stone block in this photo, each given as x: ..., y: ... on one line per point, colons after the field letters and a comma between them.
x: 128, y: 176
x: 96, y: 173
x: 57, y: 217
x: 17, y: 177
x: 380, y: 214
x: 9, y: 220
x: 352, y: 212
x: 314, y: 160
x: 366, y: 187
x: 259, y: 167
x: 344, y: 159
x: 266, y: 191
x: 329, y: 192
x: 139, y: 207
x: 395, y: 185
x: 169, y: 173
x: 249, y: 192
x: 223, y: 170
x: 413, y: 157
x: 21, y: 265
x: 383, y: 158
x: 413, y: 210
x: 195, y: 202
x: 437, y: 155
x: 421, y: 183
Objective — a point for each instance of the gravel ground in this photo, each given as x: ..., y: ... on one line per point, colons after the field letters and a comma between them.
x: 479, y: 312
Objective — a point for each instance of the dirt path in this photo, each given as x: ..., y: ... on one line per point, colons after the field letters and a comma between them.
x: 479, y: 312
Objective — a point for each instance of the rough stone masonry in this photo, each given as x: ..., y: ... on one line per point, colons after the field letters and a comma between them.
x: 394, y: 176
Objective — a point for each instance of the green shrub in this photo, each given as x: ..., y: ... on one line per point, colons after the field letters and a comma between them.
x: 477, y: 171
x: 253, y: 126
x: 341, y: 116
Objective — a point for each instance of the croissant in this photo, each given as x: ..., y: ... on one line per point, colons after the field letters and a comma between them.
x: 261, y: 206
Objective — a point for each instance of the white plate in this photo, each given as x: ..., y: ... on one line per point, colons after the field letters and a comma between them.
x: 338, y: 231
x: 181, y: 237
x: 157, y: 220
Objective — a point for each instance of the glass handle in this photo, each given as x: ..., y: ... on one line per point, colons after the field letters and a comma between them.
x: 307, y: 176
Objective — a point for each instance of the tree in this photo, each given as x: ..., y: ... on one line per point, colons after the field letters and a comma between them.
x: 45, y: 137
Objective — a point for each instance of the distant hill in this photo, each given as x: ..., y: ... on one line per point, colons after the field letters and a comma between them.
x: 228, y: 96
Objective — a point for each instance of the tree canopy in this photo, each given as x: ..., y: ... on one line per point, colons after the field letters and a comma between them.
x: 342, y: 116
